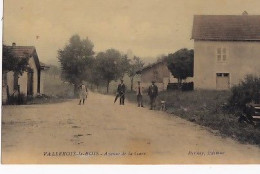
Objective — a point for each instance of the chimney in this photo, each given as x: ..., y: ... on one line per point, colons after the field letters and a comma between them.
x: 13, y: 44
x: 245, y: 13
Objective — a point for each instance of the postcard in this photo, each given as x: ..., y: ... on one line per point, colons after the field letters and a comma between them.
x: 131, y: 82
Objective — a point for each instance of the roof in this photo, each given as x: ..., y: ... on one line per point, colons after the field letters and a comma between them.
x: 24, y: 51
x: 226, y: 27
x: 44, y: 66
x: 149, y: 66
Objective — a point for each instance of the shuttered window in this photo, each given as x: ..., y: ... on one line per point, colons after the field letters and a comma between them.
x: 221, y: 54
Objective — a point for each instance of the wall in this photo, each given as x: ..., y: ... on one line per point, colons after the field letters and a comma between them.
x: 162, y: 79
x: 43, y: 78
x: 148, y: 75
x: 242, y: 58
x: 35, y: 74
x: 22, y: 81
x: 8, y: 81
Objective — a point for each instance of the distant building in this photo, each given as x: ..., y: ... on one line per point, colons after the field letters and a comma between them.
x: 157, y: 72
x: 30, y: 81
x: 226, y: 48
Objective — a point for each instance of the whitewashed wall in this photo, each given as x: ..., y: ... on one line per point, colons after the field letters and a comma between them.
x: 242, y: 58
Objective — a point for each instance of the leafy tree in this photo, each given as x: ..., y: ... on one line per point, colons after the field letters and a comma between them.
x: 76, y: 59
x: 180, y: 64
x: 12, y: 63
x: 95, y: 77
x: 135, y: 65
x: 112, y: 65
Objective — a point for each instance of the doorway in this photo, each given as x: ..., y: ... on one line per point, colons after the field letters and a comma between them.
x: 222, y: 81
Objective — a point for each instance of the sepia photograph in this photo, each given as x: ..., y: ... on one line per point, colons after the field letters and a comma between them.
x: 130, y: 82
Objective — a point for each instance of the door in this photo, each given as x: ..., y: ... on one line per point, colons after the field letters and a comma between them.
x: 222, y: 81
x: 30, y: 83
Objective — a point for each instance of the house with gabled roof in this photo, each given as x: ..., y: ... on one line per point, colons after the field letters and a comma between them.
x: 29, y: 82
x: 226, y: 49
x: 157, y: 72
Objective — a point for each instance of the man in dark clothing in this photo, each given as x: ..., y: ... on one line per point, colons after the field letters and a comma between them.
x: 121, y: 92
x: 139, y: 94
x: 153, y: 93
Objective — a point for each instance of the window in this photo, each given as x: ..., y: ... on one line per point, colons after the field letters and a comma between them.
x: 225, y: 74
x: 219, y: 74
x: 221, y: 54
x: 222, y: 74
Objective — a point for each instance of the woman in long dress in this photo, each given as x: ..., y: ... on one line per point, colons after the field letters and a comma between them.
x: 83, y: 92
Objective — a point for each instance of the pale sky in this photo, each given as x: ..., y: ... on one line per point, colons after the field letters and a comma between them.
x: 146, y: 27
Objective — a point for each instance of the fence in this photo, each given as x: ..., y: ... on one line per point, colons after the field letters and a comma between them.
x: 184, y: 86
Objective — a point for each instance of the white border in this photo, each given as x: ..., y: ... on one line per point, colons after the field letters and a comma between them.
x: 122, y: 169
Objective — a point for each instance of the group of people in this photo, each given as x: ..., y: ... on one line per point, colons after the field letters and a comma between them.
x: 121, y: 89
x: 139, y: 89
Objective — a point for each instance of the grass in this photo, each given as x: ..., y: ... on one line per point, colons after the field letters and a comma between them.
x: 44, y: 99
x: 55, y: 91
x: 206, y: 108
x: 57, y: 88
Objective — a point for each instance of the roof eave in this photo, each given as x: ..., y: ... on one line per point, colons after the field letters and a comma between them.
x: 233, y: 40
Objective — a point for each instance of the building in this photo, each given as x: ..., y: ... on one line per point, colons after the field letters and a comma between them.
x: 29, y: 82
x: 226, y: 49
x: 157, y: 72
x: 44, y: 69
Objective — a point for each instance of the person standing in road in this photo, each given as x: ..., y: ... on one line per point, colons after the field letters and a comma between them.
x: 153, y: 93
x: 121, y: 92
x: 139, y: 94
x: 83, y: 92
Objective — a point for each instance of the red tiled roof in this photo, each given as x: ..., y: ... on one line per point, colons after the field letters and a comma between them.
x: 226, y: 27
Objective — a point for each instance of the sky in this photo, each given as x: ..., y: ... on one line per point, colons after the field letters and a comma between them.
x: 147, y: 28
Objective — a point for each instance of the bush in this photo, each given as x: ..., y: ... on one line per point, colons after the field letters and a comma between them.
x: 245, y: 92
x: 17, y: 99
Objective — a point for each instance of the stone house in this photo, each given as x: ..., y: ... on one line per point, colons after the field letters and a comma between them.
x: 226, y: 49
x: 29, y: 82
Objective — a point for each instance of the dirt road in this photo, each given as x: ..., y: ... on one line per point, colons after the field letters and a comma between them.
x: 102, y: 132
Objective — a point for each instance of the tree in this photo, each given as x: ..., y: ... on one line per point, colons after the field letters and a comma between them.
x: 76, y: 59
x: 111, y: 65
x: 95, y: 77
x: 180, y: 64
x: 12, y: 63
x: 135, y: 65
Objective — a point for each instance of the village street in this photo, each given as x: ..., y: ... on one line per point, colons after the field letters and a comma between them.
x: 101, y: 132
